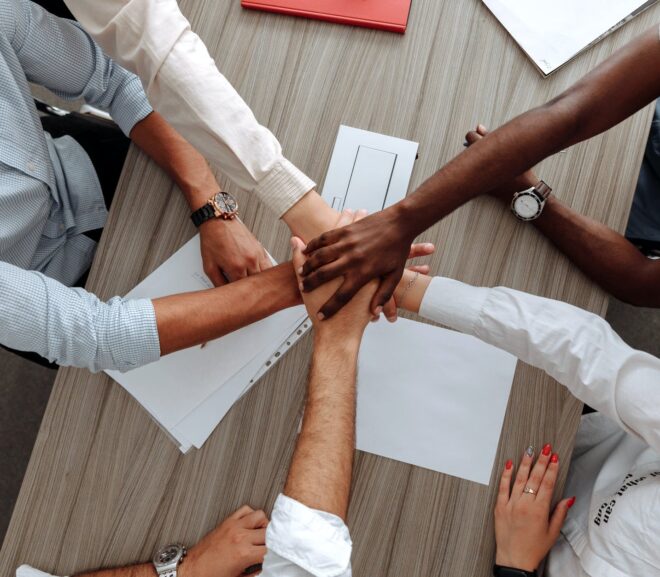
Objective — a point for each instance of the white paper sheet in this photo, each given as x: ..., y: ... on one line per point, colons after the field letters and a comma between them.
x: 176, y: 385
x: 552, y: 32
x: 432, y: 397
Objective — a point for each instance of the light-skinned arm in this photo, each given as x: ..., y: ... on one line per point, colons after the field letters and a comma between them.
x: 238, y: 543
x: 375, y: 248
x: 322, y: 465
x: 604, y: 255
x: 229, y: 250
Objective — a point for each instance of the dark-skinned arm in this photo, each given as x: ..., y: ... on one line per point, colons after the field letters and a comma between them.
x: 375, y: 248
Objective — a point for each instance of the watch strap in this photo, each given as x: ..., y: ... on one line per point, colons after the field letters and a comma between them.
x: 501, y: 571
x: 543, y: 190
x: 201, y: 215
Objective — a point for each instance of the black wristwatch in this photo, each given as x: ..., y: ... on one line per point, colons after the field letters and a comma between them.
x: 221, y: 205
x: 500, y: 571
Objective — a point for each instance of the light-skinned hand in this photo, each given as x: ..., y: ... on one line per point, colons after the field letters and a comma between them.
x: 236, y: 544
x: 229, y: 247
x: 526, y: 527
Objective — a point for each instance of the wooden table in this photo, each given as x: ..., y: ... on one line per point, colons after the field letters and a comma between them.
x: 105, y: 486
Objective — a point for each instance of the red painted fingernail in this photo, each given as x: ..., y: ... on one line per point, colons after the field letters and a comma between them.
x: 571, y: 502
x: 554, y: 458
x: 508, y: 465
x: 547, y: 449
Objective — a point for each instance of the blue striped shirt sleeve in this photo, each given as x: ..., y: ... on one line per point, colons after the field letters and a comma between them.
x: 71, y: 326
x: 59, y: 55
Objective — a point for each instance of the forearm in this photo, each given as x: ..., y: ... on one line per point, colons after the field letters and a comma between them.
x: 191, y: 319
x: 613, y: 91
x: 604, y: 255
x: 143, y: 570
x: 310, y: 216
x: 177, y: 158
x: 321, y: 469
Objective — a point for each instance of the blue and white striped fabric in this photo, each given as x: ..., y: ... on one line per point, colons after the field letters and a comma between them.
x: 50, y: 195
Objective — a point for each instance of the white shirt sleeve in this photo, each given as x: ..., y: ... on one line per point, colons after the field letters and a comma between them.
x: 304, y: 542
x: 27, y: 571
x: 153, y: 39
x: 577, y: 348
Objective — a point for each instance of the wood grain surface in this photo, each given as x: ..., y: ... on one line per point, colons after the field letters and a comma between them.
x: 105, y: 486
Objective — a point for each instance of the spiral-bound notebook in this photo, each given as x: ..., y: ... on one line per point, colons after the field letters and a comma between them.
x: 552, y: 32
x: 391, y: 15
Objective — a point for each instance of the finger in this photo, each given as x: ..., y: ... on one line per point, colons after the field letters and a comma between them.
x: 523, y: 472
x: 254, y: 560
x: 385, y: 291
x: 242, y: 512
x: 390, y: 310
x: 482, y: 130
x: 420, y: 268
x: 472, y: 137
x: 254, y: 520
x: 326, y: 239
x: 504, y: 491
x: 258, y: 536
x: 215, y: 276
x: 421, y: 249
x: 559, y: 516
x: 235, y: 274
x: 323, y: 275
x: 346, y: 291
x: 345, y: 218
x: 538, y: 470
x: 320, y: 258
x: 360, y: 214
x: 547, y: 487
x: 297, y: 258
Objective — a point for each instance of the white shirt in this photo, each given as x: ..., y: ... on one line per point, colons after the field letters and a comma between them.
x: 153, y: 39
x: 617, y: 450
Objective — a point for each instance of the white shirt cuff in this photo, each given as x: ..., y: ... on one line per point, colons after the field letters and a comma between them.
x: 27, y: 571
x: 454, y: 304
x: 313, y: 540
x: 283, y: 187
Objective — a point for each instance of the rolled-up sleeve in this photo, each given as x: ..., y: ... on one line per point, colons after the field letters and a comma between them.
x: 60, y: 55
x: 72, y: 327
x: 153, y: 39
x: 304, y: 542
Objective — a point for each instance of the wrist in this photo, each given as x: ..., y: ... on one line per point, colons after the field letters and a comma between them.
x: 327, y: 339
x: 402, y: 218
x: 516, y: 562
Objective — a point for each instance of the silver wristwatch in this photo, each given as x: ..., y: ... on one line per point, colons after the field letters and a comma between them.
x: 167, y: 560
x: 528, y: 204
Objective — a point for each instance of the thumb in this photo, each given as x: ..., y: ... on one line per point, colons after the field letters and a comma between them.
x: 297, y: 246
x: 559, y: 516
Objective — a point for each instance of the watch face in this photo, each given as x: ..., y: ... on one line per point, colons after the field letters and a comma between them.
x: 167, y: 555
x: 225, y: 202
x: 526, y: 205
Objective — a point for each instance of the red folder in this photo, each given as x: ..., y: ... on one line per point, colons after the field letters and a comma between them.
x: 391, y: 15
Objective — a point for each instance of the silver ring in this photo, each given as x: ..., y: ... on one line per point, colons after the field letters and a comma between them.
x: 529, y: 490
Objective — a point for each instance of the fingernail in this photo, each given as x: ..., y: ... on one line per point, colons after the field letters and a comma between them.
x: 391, y: 319
x: 529, y: 451
x: 547, y: 449
x: 320, y: 316
x: 301, y: 288
x: 571, y: 502
x: 554, y: 458
x: 375, y: 319
x: 379, y: 310
x: 508, y: 465
x: 481, y: 128
x: 428, y: 245
x: 299, y: 270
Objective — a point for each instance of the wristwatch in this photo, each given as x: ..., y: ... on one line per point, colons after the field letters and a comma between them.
x: 528, y: 204
x: 167, y: 560
x: 221, y: 205
x: 500, y: 571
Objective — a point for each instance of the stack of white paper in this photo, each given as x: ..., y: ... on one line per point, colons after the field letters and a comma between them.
x: 189, y: 392
x: 552, y: 32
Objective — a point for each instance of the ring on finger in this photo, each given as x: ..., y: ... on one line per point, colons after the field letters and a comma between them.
x: 529, y: 490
